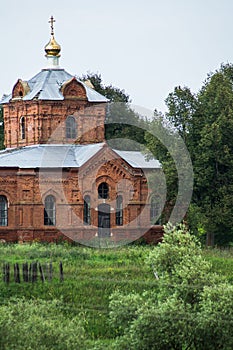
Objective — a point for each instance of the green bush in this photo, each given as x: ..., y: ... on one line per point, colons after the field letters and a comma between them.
x: 123, y: 310
x: 164, y: 325
x: 40, y: 325
x: 215, y: 318
x: 191, y: 308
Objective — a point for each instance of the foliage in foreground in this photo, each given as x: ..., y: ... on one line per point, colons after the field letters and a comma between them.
x: 90, y: 276
x: 140, y: 301
x: 191, y: 309
x: 38, y: 324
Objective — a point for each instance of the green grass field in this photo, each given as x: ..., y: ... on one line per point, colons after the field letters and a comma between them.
x: 90, y: 276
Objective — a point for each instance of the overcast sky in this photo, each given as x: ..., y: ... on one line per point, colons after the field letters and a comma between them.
x: 145, y: 47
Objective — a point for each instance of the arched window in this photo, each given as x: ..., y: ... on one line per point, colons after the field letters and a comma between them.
x: 103, y: 190
x: 50, y: 211
x: 155, y: 210
x: 3, y: 211
x: 22, y: 128
x: 71, y: 128
x: 119, y: 211
x: 87, y: 210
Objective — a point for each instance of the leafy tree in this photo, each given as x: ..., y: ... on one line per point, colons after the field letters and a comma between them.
x: 181, y: 107
x: 124, y: 129
x: 114, y: 94
x: 205, y: 122
x: 165, y: 144
x: 211, y: 148
x: 160, y: 151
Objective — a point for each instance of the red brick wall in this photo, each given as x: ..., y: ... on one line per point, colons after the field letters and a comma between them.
x: 25, y: 190
x: 46, y: 119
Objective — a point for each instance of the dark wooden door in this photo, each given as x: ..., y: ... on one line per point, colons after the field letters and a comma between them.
x: 104, y: 220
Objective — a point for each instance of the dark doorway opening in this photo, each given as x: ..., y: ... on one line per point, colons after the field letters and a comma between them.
x: 104, y: 220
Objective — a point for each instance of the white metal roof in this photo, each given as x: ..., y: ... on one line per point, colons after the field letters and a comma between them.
x: 67, y: 156
x: 46, y: 85
x: 139, y: 160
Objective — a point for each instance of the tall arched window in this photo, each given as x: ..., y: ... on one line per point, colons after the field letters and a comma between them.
x: 71, y: 128
x: 87, y: 210
x: 50, y: 211
x: 103, y: 190
x: 22, y: 128
x: 119, y: 211
x: 3, y: 211
x: 155, y: 210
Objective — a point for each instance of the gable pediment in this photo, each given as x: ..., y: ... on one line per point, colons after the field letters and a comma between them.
x: 106, y: 166
x: 73, y: 89
x: 20, y: 89
x: 107, y: 162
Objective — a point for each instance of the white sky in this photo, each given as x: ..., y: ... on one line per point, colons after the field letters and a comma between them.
x: 145, y: 47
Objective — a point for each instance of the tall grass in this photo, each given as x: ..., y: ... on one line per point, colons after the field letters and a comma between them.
x: 221, y: 260
x: 90, y: 277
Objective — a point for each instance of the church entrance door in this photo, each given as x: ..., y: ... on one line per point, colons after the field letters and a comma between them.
x: 104, y: 220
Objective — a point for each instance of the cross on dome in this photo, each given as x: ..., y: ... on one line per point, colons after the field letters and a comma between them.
x: 52, y: 49
x: 52, y: 21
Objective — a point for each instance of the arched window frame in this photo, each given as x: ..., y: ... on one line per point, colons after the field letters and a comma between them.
x: 119, y: 210
x: 103, y: 190
x: 87, y: 210
x: 155, y: 210
x: 50, y: 211
x: 3, y: 211
x: 22, y: 128
x: 71, y: 127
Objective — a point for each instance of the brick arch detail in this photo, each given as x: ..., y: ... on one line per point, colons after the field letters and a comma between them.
x: 53, y: 193
x: 7, y: 195
x: 107, y: 179
x: 73, y: 89
x: 20, y: 89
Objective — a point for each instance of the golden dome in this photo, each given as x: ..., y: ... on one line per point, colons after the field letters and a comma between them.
x: 52, y: 48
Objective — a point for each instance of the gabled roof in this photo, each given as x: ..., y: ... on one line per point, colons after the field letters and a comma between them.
x: 66, y: 156
x: 46, y: 85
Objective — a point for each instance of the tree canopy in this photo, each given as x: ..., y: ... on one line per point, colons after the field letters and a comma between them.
x: 205, y: 122
x: 124, y: 128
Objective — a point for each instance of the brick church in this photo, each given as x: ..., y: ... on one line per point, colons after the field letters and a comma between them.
x: 59, y: 179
